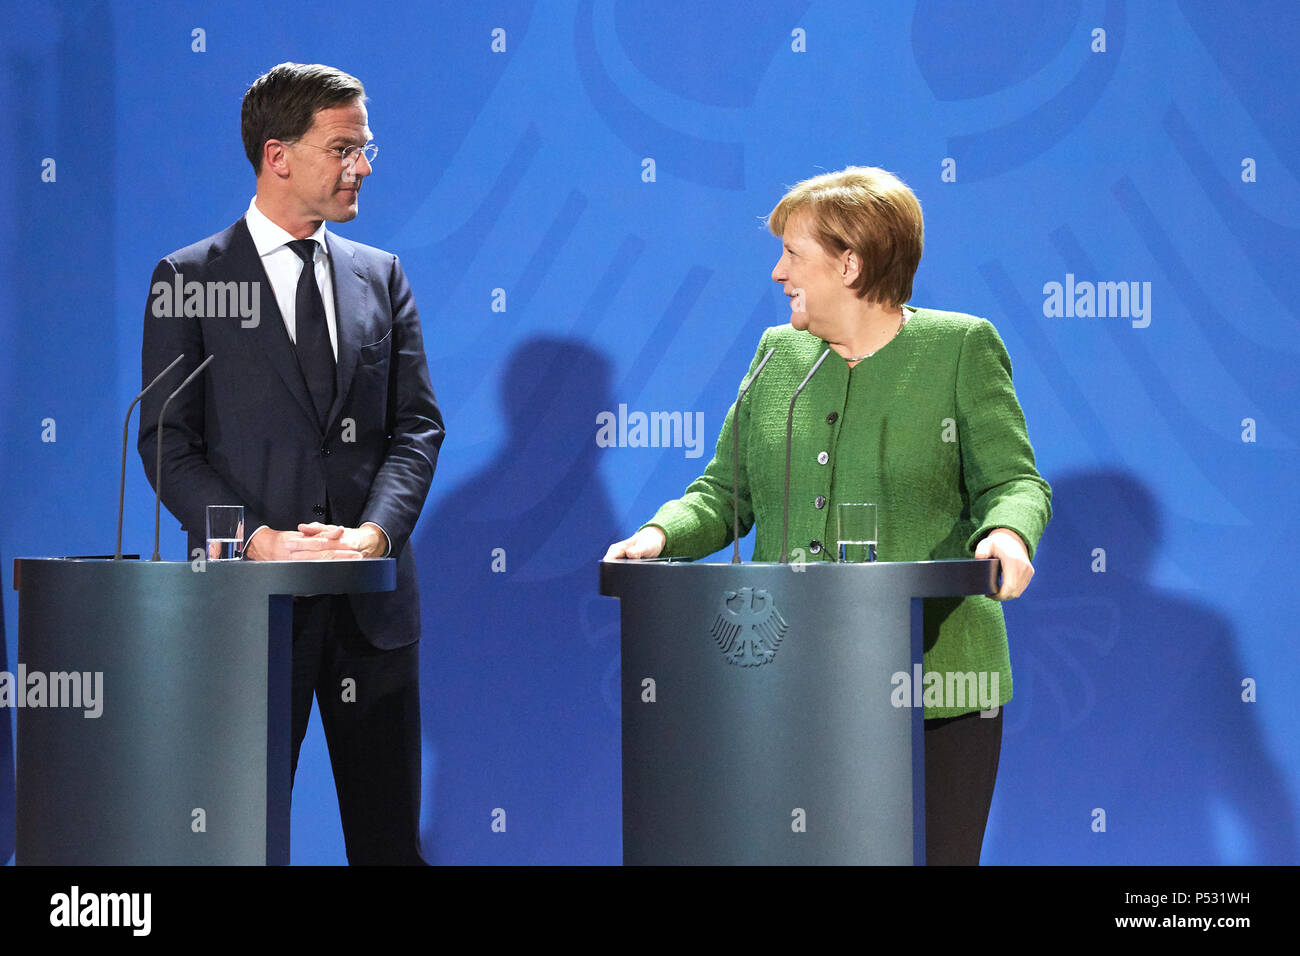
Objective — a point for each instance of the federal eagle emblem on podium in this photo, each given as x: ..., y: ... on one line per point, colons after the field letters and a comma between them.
x: 748, y: 628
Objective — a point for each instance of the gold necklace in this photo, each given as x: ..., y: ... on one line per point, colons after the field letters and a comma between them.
x: 866, y: 355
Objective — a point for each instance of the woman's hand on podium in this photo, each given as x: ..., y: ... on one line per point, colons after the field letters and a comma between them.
x: 1008, y: 547
x: 646, y: 543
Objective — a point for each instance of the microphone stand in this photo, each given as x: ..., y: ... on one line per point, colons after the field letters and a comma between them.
x: 789, y: 437
x: 126, y: 426
x: 158, y: 472
x: 735, y: 460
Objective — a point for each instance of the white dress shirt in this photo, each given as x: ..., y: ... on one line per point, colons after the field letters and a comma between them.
x: 283, y: 267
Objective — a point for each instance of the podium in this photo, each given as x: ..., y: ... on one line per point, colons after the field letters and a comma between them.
x: 760, y: 708
x: 188, y: 759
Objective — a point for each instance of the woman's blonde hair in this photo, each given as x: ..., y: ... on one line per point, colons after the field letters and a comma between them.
x: 869, y: 211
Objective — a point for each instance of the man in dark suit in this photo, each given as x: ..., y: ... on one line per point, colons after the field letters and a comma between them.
x: 317, y: 415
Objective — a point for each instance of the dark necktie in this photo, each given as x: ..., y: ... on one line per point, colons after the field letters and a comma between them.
x: 315, y: 356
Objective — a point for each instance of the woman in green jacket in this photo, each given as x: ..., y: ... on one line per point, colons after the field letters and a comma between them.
x: 913, y: 410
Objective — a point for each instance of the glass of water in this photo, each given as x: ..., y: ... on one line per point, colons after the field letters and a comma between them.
x: 225, y: 532
x: 856, y: 532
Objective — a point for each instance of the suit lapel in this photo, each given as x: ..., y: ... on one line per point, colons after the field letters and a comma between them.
x: 351, y: 311
x: 270, y: 336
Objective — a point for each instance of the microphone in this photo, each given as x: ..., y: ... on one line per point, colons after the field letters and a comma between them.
x: 157, y: 504
x: 789, y: 437
x: 126, y: 425
x: 735, y: 459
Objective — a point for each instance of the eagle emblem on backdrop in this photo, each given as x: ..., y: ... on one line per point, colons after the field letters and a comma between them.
x: 748, y: 628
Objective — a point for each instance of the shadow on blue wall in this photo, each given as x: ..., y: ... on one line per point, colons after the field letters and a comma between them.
x: 520, y: 664
x: 1128, y: 699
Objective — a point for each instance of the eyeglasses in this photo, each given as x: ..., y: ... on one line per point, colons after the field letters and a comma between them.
x: 348, y: 155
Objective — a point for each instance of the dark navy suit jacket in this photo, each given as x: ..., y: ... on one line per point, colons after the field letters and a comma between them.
x: 246, y: 432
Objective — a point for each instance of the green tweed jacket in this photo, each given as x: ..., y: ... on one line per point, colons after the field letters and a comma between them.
x: 928, y: 428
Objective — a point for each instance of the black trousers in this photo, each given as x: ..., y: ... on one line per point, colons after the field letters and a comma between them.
x: 961, y: 766
x: 369, y: 702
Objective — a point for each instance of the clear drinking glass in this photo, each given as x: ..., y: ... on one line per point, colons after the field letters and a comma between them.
x: 856, y: 532
x: 225, y: 532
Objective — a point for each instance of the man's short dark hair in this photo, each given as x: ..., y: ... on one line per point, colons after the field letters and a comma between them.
x: 282, y: 103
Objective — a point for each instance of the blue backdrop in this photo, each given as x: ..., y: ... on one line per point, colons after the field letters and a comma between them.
x: 576, y: 190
